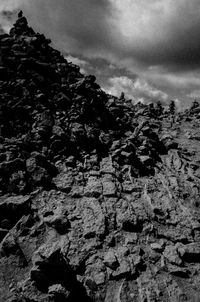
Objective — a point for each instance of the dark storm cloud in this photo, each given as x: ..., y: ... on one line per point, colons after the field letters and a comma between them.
x: 151, y: 33
x: 164, y: 32
x: 76, y: 26
x: 155, y: 40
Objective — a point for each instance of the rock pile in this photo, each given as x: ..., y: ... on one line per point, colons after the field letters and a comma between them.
x: 99, y: 198
x: 49, y: 112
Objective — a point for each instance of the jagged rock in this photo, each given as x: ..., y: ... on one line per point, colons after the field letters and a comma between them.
x: 127, y: 219
x: 39, y: 170
x: 12, y: 209
x: 178, y: 271
x: 58, y: 292
x: 171, y: 254
x: 107, y: 166
x: 123, y: 271
x: 110, y: 260
x: 9, y: 245
x: 190, y: 252
x: 93, y: 218
x: 49, y: 265
x: 64, y: 181
x: 93, y: 187
x: 156, y: 247
x: 109, y: 187
x: 58, y: 221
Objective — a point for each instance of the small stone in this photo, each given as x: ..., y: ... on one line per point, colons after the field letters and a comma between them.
x: 64, y: 182
x: 58, y: 292
x: 60, y: 222
x: 106, y: 166
x: 190, y: 252
x: 131, y: 239
x: 109, y: 188
x: 128, y: 187
x: 122, y: 252
x: 171, y: 254
x: 178, y: 271
x: 99, y: 278
x: 156, y: 246
x: 91, y: 284
x: 110, y: 260
x: 93, y: 187
x: 93, y: 218
x: 124, y: 270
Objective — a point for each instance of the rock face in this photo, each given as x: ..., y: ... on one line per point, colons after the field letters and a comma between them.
x: 99, y: 198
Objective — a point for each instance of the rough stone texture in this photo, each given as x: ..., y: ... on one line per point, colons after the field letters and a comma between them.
x: 99, y: 198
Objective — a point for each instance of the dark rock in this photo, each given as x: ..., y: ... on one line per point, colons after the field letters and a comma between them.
x: 93, y: 218
x: 49, y: 265
x: 110, y: 260
x: 12, y: 209
x: 190, y: 252
x: 58, y: 292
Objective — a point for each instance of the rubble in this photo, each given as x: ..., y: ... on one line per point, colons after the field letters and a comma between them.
x: 99, y: 197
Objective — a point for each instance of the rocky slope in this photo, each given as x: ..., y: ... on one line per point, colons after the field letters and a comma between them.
x: 99, y: 198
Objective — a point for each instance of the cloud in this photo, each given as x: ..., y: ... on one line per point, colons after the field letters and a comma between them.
x: 158, y: 40
x: 81, y: 27
x: 153, y: 32
x: 8, y: 13
x: 160, y: 31
x: 81, y: 63
x: 181, y: 81
x: 194, y: 94
x: 138, y: 90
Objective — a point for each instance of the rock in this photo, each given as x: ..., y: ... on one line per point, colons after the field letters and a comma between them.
x: 106, y: 166
x: 127, y: 219
x: 128, y: 187
x: 171, y: 254
x: 178, y: 271
x: 40, y: 170
x: 93, y: 218
x: 110, y: 260
x: 49, y: 265
x: 9, y: 245
x: 58, y: 221
x: 156, y: 247
x: 12, y: 209
x: 64, y: 181
x: 39, y: 175
x: 93, y: 187
x: 190, y: 252
x: 123, y: 271
x: 58, y: 292
x: 109, y: 188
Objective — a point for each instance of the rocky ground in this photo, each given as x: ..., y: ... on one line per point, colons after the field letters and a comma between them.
x: 99, y: 198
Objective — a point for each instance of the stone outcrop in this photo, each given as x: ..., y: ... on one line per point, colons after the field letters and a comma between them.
x: 99, y: 198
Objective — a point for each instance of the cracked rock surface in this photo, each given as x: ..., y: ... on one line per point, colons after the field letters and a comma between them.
x: 99, y: 198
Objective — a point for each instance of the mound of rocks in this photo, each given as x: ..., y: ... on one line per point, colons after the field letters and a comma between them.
x: 49, y: 112
x: 99, y: 198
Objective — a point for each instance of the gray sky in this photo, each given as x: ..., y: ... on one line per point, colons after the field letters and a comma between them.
x: 148, y: 48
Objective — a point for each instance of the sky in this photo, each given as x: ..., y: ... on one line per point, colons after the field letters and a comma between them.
x: 149, y: 49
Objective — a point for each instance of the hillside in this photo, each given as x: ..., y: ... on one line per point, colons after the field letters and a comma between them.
x: 99, y: 198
